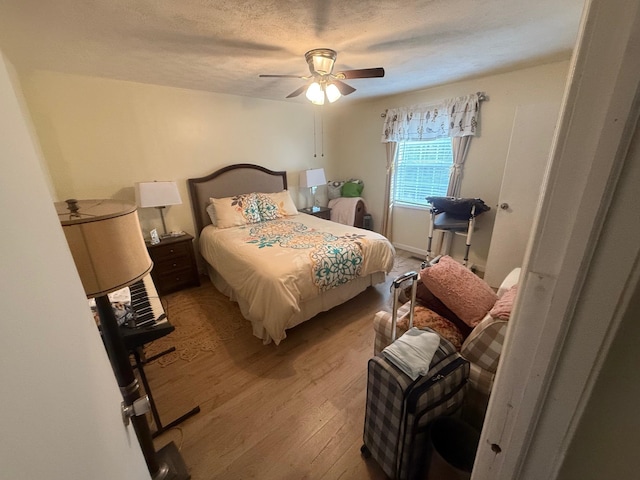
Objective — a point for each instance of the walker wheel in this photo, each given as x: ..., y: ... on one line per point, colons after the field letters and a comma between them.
x: 366, y: 453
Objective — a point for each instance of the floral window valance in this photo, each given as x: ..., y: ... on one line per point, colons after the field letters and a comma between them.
x: 456, y: 117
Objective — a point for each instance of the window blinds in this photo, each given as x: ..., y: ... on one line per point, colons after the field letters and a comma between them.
x: 422, y: 170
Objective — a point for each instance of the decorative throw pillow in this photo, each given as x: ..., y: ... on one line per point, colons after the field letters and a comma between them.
x: 426, y: 298
x: 423, y: 317
x: 275, y: 205
x: 466, y: 294
x: 236, y: 211
x: 334, y: 189
x: 211, y: 210
x: 502, y: 308
x: 352, y: 189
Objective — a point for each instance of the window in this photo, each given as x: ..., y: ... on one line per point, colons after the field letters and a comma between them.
x: 422, y: 170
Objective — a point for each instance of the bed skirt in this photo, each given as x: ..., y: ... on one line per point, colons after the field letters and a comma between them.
x: 309, y: 309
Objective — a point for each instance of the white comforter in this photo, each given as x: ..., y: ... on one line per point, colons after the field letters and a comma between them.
x: 277, y: 265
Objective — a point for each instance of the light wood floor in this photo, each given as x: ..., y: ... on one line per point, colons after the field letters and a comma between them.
x: 295, y: 411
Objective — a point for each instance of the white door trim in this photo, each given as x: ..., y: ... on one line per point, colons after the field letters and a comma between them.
x: 555, y: 345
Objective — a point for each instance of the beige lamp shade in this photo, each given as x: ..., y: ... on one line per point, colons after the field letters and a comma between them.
x: 106, y: 243
x: 157, y: 194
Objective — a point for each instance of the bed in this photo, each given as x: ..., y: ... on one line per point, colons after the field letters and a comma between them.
x: 286, y: 270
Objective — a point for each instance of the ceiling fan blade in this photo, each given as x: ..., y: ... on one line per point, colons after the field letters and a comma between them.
x: 343, y: 87
x: 362, y: 73
x: 281, y: 76
x: 297, y: 92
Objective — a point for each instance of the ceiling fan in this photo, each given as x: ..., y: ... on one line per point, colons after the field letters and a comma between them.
x: 324, y: 83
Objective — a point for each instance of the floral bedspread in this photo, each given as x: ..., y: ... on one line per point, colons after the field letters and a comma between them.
x: 278, y: 264
x: 334, y: 259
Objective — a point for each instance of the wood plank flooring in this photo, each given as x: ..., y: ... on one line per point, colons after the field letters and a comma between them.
x: 293, y: 411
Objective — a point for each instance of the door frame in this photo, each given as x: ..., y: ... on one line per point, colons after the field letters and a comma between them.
x: 555, y: 346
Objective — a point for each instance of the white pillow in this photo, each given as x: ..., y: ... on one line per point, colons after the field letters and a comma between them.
x: 211, y: 210
x: 334, y: 189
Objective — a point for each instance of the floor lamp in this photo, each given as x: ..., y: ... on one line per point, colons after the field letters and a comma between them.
x: 109, y: 252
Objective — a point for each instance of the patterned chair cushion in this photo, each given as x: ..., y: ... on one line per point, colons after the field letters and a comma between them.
x: 425, y: 318
x: 484, y: 345
x: 425, y: 297
x: 480, y: 380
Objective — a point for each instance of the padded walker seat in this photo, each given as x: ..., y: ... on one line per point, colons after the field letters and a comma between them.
x: 453, y: 214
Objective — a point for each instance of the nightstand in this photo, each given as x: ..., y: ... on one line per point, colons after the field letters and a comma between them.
x: 174, y: 264
x: 320, y: 212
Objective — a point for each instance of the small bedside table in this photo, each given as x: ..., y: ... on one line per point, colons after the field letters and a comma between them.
x: 320, y: 212
x: 174, y: 264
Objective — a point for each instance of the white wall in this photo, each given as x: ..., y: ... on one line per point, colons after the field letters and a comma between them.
x: 101, y: 136
x: 356, y: 151
x: 60, y: 416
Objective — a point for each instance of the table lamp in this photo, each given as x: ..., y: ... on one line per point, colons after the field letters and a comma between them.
x: 158, y: 195
x: 311, y: 179
x: 106, y: 243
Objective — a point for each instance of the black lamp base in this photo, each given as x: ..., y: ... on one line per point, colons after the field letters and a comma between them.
x: 169, y: 455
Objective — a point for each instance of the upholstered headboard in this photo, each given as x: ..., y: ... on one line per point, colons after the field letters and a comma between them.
x: 229, y: 181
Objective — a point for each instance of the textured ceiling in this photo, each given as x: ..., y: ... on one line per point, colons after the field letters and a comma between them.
x: 223, y: 45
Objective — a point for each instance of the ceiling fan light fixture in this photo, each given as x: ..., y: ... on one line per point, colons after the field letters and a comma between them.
x: 325, y: 84
x: 315, y: 94
x: 332, y: 92
x: 321, y: 60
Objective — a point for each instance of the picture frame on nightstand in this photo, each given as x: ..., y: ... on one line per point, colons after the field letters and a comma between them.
x: 155, y: 238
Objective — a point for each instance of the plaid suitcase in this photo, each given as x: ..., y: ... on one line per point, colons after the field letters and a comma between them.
x: 398, y: 409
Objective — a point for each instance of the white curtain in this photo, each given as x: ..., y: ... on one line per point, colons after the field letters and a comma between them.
x: 387, y: 216
x: 456, y: 118
x: 420, y: 122
x: 460, y: 147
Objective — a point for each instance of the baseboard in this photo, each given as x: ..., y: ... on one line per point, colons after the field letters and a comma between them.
x: 421, y: 255
x: 407, y: 248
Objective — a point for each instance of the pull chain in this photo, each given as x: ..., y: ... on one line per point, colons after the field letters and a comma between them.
x: 314, y: 133
x: 322, y: 129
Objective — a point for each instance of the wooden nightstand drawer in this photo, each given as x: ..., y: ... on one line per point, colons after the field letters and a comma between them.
x: 162, y: 253
x: 169, y: 265
x: 174, y: 264
x: 175, y: 280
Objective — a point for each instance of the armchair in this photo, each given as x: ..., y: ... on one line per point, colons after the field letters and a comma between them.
x: 482, y: 348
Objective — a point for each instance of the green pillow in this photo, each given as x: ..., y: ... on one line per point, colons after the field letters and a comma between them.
x: 352, y: 189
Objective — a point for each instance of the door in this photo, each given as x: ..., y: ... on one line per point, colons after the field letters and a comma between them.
x: 527, y: 157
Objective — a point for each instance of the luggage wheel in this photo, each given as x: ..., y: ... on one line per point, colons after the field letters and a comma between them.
x: 366, y: 453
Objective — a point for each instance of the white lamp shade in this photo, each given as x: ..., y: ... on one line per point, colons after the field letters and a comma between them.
x: 312, y: 178
x: 106, y: 244
x: 157, y: 194
x: 315, y: 94
x: 333, y: 93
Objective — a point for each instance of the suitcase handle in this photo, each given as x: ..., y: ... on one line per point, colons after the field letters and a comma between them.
x: 396, y: 284
x: 398, y: 281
